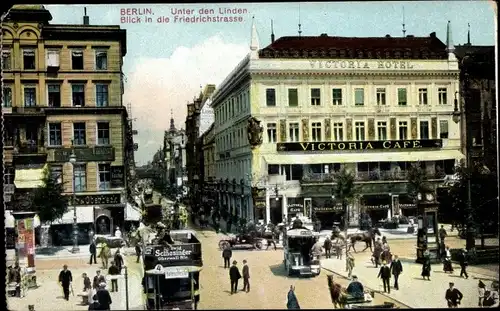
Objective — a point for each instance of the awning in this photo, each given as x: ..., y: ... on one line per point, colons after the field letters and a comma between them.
x: 132, y: 213
x: 320, y: 158
x: 84, y: 214
x: 29, y: 178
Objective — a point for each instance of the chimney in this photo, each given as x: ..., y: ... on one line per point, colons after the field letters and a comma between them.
x: 432, y: 35
x: 85, y: 17
x: 272, y: 32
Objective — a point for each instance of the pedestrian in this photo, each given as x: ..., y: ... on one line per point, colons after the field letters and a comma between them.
x: 87, y: 285
x: 138, y: 251
x: 327, y: 245
x: 227, y: 253
x: 103, y: 297
x: 491, y: 296
x: 118, y: 259
x: 93, y: 252
x: 234, y: 276
x: 316, y: 250
x: 426, y: 265
x: 246, y: 276
x: 272, y: 239
x: 338, y: 248
x: 462, y: 258
x: 98, y: 279
x: 397, y: 269
x: 447, y: 267
x: 292, y: 301
x: 481, y: 289
x: 65, y: 279
x: 94, y: 305
x: 350, y: 264
x: 453, y: 296
x: 442, y: 234
x: 114, y: 271
x: 377, y: 251
x: 385, y: 274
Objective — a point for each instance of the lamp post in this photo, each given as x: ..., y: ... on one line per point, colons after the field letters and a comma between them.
x: 456, y: 116
x: 126, y: 288
x: 72, y: 160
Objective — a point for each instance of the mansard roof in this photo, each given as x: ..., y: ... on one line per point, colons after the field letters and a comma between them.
x: 387, y: 47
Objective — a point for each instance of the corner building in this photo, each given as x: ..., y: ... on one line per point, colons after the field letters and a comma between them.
x: 373, y: 105
x: 63, y: 87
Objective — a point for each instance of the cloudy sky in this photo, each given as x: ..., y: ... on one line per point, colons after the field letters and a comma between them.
x: 167, y: 62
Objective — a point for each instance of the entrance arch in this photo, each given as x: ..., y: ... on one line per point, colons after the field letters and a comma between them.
x: 103, y: 224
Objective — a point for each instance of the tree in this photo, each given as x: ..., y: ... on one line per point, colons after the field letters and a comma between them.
x: 49, y: 200
x: 345, y: 188
x: 417, y: 181
x: 483, y: 214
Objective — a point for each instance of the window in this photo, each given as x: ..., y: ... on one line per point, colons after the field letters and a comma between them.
x: 79, y: 177
x: 78, y: 91
x: 77, y: 60
x: 271, y: 132
x: 403, y: 130
x: 338, y: 131
x: 382, y: 130
x: 442, y: 96
x: 54, y: 95
x: 422, y: 96
x: 29, y: 96
x: 101, y: 95
x: 270, y: 97
x: 293, y: 98
x: 6, y: 60
x: 337, y: 97
x: 316, y: 131
x: 443, y: 129
x: 55, y: 134
x: 424, y: 129
x: 7, y: 97
x: 360, y: 130
x: 293, y: 130
x: 79, y: 137
x: 380, y: 96
x: 359, y: 97
x: 104, y: 176
x: 101, y: 60
x: 29, y: 59
x: 56, y: 173
x: 103, y: 133
x: 402, y: 97
x: 315, y: 97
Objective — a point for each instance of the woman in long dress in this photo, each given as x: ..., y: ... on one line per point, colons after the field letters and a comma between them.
x: 447, y: 267
x: 292, y: 302
x: 426, y: 266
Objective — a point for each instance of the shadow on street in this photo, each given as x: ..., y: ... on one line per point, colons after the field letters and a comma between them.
x: 51, y: 250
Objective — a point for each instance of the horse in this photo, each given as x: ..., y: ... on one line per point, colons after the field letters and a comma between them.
x: 104, y: 255
x: 368, y: 237
x: 337, y: 293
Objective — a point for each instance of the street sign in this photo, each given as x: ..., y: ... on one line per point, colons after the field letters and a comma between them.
x: 176, y: 273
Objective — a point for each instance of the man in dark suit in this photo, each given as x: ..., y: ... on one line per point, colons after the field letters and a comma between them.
x: 246, y: 276
x: 462, y: 258
x: 114, y: 271
x: 234, y: 276
x: 328, y: 247
x: 385, y: 274
x: 93, y: 252
x: 227, y: 253
x: 65, y: 279
x: 397, y: 269
x: 103, y: 297
x: 453, y: 296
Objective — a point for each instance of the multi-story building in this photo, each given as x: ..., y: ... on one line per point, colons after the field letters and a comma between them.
x: 292, y: 114
x: 174, y: 151
x: 209, y: 155
x: 62, y: 91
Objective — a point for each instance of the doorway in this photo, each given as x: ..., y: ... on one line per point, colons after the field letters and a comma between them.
x: 103, y: 225
x: 276, y: 211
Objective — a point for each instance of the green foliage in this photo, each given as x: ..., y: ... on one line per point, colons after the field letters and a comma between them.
x: 48, y: 200
x: 345, y: 189
x: 417, y: 181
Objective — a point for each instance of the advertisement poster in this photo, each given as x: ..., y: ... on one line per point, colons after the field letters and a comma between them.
x: 26, y: 240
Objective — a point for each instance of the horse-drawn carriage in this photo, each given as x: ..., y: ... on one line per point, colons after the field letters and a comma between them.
x: 250, y: 234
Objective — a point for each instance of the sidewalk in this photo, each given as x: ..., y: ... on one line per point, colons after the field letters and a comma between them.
x: 414, y: 292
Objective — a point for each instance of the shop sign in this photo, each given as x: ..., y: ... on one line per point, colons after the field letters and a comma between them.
x: 295, y: 208
x: 407, y: 205
x: 117, y: 176
x: 381, y: 206
x: 96, y: 153
x: 182, y: 254
x: 98, y: 199
x: 361, y: 145
x: 176, y: 273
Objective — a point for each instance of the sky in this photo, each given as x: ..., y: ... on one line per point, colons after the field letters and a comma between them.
x: 166, y: 63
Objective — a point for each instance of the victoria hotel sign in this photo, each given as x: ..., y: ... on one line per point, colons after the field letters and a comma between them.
x: 361, y: 145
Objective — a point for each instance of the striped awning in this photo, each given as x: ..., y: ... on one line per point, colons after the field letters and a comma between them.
x: 29, y: 178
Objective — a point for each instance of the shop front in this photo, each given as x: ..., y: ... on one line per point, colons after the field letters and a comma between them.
x: 276, y: 210
x: 327, y: 211
x: 259, y: 203
x: 407, y: 206
x: 294, y: 207
x: 378, y: 207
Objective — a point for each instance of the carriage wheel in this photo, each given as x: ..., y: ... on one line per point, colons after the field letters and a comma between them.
x: 224, y: 244
x: 258, y: 244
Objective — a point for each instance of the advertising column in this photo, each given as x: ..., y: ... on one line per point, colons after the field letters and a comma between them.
x: 26, y: 241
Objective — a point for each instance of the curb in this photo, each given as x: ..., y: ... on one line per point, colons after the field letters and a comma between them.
x: 376, y: 291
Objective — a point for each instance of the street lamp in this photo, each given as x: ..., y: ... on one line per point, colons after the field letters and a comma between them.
x: 72, y: 160
x: 457, y: 116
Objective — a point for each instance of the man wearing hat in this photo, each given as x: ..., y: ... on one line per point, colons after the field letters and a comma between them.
x: 462, y: 258
x: 385, y: 274
x: 453, y: 296
x: 246, y: 276
x: 103, y: 297
x: 234, y: 276
x: 65, y: 279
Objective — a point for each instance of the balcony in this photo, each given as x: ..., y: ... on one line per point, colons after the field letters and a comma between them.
x: 28, y: 149
x: 369, y: 176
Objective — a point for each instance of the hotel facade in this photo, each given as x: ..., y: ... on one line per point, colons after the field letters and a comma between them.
x: 292, y: 114
x: 62, y: 92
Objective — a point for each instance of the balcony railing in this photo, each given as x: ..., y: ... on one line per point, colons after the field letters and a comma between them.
x: 369, y: 176
x: 25, y: 149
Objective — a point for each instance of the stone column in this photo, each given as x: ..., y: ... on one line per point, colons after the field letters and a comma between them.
x: 268, y: 207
